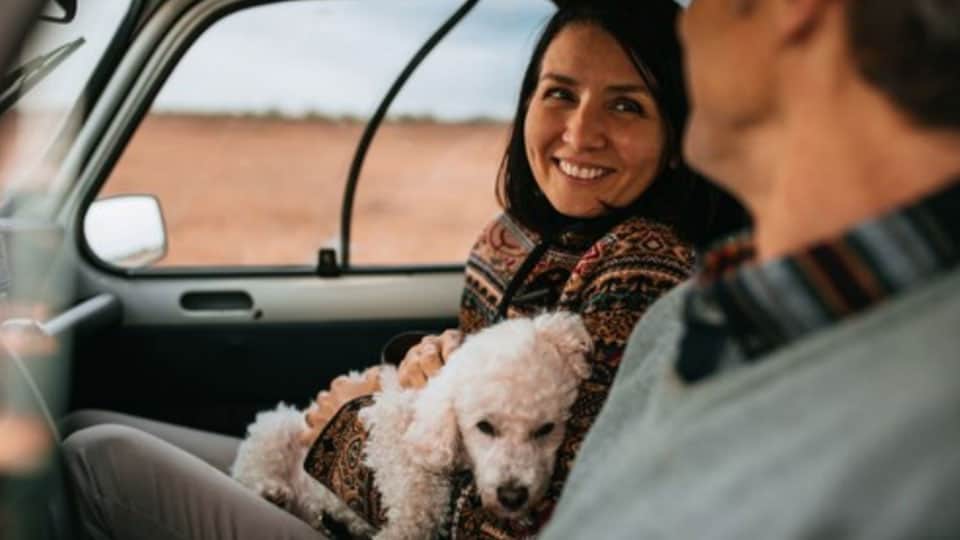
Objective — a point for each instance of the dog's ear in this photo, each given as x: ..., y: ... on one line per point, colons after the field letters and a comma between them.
x: 433, y: 437
x: 565, y: 331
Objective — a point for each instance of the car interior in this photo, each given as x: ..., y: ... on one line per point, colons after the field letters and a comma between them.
x: 204, y: 346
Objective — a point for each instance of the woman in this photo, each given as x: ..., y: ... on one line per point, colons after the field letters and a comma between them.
x: 600, y: 218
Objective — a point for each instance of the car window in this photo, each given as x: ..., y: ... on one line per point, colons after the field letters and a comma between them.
x: 41, y: 97
x: 427, y: 185
x: 248, y: 143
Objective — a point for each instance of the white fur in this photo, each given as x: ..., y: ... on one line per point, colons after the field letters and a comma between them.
x: 270, y: 462
x: 517, y: 376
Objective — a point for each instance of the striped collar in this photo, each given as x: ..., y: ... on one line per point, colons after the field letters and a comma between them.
x: 757, y: 309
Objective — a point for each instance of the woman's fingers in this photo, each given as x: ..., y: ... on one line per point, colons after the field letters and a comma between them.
x: 371, y: 381
x: 430, y: 339
x: 328, y: 403
x: 325, y: 406
x: 346, y: 388
x: 328, y: 408
x: 426, y: 359
x: 449, y: 341
x: 431, y: 360
x: 317, y: 417
x: 421, y: 362
x: 412, y: 379
x: 308, y: 436
x: 340, y: 387
x: 411, y: 372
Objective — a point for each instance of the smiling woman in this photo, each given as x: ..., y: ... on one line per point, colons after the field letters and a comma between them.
x: 598, y: 130
x: 594, y: 140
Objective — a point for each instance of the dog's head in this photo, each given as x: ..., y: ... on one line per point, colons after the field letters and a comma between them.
x: 500, y: 407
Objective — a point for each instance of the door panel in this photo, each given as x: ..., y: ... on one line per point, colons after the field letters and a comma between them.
x: 213, y: 369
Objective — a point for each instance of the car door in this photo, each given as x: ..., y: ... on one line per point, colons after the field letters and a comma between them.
x: 232, y: 318
x: 36, y: 129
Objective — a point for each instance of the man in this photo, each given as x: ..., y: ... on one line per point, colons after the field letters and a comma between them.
x: 807, y: 384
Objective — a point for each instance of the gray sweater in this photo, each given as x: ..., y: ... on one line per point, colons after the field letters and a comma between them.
x: 853, y: 432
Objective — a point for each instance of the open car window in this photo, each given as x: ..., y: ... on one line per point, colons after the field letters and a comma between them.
x: 248, y: 143
x: 427, y: 185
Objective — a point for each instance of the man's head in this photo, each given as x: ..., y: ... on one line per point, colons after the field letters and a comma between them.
x: 755, y: 66
x: 909, y: 50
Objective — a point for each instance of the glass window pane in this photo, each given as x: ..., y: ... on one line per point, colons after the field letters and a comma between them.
x: 248, y: 144
x: 428, y: 185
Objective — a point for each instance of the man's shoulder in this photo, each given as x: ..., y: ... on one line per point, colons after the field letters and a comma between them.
x: 649, y: 352
x: 918, y: 322
x: 864, y: 415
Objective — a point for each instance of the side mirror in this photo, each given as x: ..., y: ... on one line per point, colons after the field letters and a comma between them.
x: 126, y: 230
x: 60, y: 11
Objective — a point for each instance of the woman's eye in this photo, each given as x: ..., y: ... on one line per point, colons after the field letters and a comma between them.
x: 486, y: 428
x: 543, y: 431
x: 628, y: 106
x: 558, y: 93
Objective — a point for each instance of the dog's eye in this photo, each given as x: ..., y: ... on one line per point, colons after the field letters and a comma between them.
x: 543, y: 431
x: 486, y: 428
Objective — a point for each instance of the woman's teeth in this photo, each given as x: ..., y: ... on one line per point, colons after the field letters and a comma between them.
x: 583, y: 173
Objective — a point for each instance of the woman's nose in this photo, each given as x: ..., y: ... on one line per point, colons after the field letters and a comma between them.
x: 584, y: 129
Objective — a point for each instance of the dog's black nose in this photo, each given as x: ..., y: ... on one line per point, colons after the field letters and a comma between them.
x: 512, y: 497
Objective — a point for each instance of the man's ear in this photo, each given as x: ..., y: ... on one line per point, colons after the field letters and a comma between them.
x: 795, y: 19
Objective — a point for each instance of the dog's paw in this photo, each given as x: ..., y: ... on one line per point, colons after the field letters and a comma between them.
x: 279, y: 495
x: 312, y: 512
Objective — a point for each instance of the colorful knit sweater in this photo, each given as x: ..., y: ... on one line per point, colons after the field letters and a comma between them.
x: 608, y: 277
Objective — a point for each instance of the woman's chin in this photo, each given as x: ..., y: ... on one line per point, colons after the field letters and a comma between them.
x: 579, y: 212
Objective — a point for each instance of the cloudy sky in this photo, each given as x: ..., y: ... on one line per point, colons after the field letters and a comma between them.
x: 331, y: 57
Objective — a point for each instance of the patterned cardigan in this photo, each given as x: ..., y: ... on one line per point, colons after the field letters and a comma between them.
x: 608, y: 277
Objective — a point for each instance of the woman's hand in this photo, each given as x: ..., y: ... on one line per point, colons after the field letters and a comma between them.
x: 343, y: 389
x: 425, y: 359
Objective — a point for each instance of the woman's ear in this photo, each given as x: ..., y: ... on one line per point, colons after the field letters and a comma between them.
x: 566, y: 332
x: 433, y: 437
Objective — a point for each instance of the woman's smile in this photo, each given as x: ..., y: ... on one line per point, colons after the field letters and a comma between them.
x: 580, y: 172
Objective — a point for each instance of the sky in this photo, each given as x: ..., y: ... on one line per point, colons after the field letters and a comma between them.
x: 328, y: 57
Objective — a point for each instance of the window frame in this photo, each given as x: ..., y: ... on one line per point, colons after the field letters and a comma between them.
x: 79, y: 112
x: 171, y: 49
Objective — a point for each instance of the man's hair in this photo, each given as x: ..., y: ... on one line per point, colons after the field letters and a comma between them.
x: 910, y: 50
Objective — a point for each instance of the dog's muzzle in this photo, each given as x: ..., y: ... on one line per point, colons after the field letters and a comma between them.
x: 512, y: 497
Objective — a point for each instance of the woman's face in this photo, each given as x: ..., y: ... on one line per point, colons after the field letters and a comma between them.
x: 593, y: 132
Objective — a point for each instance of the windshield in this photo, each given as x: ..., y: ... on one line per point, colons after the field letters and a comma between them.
x: 42, y: 95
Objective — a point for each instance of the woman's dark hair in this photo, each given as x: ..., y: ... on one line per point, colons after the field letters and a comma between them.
x: 698, y: 211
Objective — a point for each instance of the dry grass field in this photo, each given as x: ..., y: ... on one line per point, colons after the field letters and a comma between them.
x: 265, y: 191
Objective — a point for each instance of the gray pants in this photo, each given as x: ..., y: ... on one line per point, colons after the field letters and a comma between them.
x: 138, y: 479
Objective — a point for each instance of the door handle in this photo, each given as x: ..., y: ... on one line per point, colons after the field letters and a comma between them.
x: 218, y: 301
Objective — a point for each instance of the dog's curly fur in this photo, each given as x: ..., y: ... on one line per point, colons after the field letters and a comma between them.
x: 499, y: 407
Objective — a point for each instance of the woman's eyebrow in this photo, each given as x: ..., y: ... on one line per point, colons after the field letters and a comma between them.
x: 625, y: 88
x: 563, y: 79
x: 628, y: 88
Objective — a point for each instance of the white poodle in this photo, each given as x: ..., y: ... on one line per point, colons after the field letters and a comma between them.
x: 498, y: 407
